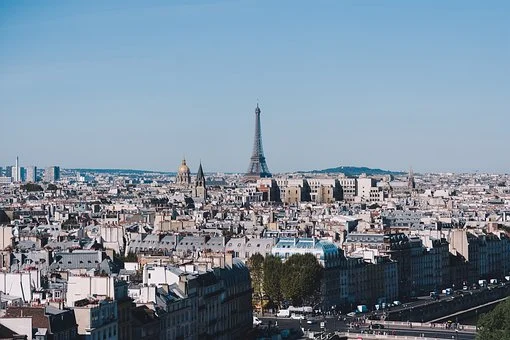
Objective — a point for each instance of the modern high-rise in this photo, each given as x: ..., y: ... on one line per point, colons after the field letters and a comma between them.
x: 31, y: 174
x: 8, y: 171
x: 52, y: 174
x: 22, y: 174
x: 16, y: 171
x: 15, y: 174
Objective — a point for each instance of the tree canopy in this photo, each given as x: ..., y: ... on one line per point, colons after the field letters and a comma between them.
x: 297, y: 280
x: 272, y: 277
x: 31, y: 187
x: 301, y: 278
x: 495, y: 325
x: 51, y: 187
x: 256, y: 267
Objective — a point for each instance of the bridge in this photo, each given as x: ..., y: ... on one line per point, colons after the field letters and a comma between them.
x: 466, y: 312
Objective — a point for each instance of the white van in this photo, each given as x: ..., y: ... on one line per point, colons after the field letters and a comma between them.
x: 283, y: 313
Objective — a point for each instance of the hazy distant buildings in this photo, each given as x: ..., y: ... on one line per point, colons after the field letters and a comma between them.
x: 31, y: 174
x: 52, y: 174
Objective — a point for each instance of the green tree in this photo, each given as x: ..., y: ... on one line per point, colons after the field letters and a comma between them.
x: 256, y: 267
x: 130, y: 257
x: 301, y: 278
x: 31, y: 187
x: 52, y: 187
x: 272, y: 277
x: 495, y: 325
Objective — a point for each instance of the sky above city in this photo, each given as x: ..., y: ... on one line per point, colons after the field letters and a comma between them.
x: 140, y: 84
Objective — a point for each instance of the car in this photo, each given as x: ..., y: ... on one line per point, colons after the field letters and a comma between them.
x: 311, y: 321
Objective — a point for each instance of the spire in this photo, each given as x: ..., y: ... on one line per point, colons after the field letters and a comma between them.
x: 200, y: 190
x: 200, y: 174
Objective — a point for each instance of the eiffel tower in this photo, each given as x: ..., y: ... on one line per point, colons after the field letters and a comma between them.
x: 258, y: 166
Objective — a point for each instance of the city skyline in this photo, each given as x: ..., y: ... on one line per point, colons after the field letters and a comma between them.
x: 93, y: 85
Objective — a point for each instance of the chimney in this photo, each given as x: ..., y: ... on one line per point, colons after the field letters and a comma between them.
x: 229, y: 259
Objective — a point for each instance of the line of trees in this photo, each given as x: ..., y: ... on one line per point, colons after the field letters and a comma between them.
x: 296, y: 281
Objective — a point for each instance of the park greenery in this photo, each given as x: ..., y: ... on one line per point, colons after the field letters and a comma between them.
x: 51, y: 187
x: 31, y: 187
x: 495, y: 324
x: 295, y: 281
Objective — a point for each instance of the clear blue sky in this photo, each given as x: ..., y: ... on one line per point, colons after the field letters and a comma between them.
x: 139, y: 84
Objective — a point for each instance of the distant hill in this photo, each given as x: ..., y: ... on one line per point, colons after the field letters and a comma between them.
x: 355, y: 171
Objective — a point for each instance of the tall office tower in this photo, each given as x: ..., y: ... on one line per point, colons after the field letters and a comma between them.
x: 52, y: 174
x: 22, y: 174
x: 31, y: 174
x: 258, y: 166
x: 1, y: 171
x: 16, y: 171
x: 8, y: 171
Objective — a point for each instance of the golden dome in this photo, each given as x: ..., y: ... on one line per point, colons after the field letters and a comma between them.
x: 183, y: 169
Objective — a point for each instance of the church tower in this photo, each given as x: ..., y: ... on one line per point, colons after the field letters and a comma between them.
x: 200, y: 190
x: 411, y: 184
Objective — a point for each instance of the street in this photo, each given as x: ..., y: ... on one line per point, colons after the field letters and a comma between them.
x: 333, y: 324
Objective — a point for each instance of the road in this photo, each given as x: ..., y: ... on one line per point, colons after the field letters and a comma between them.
x: 333, y: 324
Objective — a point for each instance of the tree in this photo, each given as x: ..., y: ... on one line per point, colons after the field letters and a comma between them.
x: 31, y: 187
x: 271, y: 282
x: 495, y: 325
x: 256, y: 267
x: 51, y: 187
x: 301, y: 278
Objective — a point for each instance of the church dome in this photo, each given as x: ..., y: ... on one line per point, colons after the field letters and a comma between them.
x: 184, y: 169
